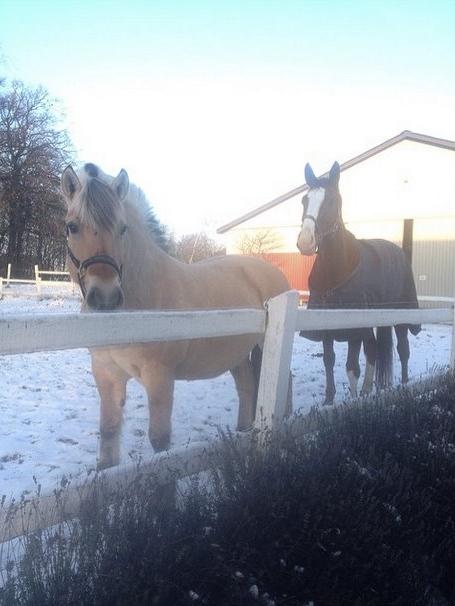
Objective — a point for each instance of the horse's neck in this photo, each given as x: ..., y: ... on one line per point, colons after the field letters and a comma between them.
x: 338, y: 257
x: 150, y: 275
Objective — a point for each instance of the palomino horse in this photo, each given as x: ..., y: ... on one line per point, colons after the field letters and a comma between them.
x: 114, y: 255
x: 351, y: 273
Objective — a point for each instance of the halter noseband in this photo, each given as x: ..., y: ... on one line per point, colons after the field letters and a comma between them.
x: 82, y: 266
x: 319, y: 236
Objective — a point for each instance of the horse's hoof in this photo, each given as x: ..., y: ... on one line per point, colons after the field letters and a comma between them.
x: 245, y: 427
x: 105, y: 465
x: 160, y: 443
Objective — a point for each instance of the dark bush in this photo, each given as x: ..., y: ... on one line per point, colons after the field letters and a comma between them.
x: 360, y: 512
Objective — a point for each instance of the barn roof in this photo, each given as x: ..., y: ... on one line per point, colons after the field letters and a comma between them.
x: 406, y: 135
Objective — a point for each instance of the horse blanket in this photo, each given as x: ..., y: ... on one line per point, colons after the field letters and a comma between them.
x: 382, y: 280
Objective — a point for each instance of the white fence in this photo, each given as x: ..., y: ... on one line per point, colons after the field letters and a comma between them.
x: 278, y: 322
x: 38, y: 281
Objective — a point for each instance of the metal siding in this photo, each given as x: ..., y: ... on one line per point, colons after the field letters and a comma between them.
x: 433, y: 263
x: 433, y: 258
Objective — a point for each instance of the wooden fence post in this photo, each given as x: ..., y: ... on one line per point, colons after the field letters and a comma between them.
x: 36, y: 274
x: 276, y: 360
x: 8, y: 274
x: 1, y: 288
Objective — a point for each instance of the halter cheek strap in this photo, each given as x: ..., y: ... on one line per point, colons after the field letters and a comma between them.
x: 319, y: 237
x: 82, y: 266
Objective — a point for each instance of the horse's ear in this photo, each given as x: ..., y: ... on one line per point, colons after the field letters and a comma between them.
x: 70, y: 182
x: 310, y: 177
x: 334, y: 174
x: 121, y: 184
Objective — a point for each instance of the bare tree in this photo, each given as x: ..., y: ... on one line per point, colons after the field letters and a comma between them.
x: 33, y: 152
x: 258, y: 242
x: 190, y: 248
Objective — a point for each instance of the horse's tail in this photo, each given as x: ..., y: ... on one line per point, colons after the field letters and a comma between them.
x: 256, y: 361
x: 384, y: 358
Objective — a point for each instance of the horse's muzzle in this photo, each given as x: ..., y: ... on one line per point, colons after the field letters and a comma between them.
x: 306, y: 248
x: 99, y: 299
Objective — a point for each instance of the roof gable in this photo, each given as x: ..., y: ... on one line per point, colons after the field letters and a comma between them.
x: 406, y: 135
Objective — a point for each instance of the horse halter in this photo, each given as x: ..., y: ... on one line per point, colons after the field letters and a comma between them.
x: 82, y: 266
x: 319, y: 236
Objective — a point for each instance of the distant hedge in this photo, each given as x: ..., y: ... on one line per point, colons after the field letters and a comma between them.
x: 360, y: 512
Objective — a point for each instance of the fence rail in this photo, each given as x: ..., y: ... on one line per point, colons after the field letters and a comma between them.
x: 37, y: 281
x: 50, y: 332
x: 278, y: 323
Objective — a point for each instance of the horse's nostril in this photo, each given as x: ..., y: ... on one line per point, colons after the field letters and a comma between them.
x: 94, y: 298
x: 117, y: 298
x: 100, y: 300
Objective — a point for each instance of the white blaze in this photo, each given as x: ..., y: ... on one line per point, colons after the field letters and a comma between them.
x: 307, y: 238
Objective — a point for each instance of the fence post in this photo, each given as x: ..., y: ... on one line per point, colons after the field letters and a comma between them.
x: 1, y: 287
x: 276, y: 360
x: 8, y: 274
x: 36, y: 274
x: 38, y: 286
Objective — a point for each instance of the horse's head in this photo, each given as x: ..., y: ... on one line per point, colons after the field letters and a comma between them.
x: 95, y: 227
x: 321, y: 209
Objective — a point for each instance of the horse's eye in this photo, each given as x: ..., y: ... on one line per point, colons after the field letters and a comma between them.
x: 123, y: 229
x: 72, y: 228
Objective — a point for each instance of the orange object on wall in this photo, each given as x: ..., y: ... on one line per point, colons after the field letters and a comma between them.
x: 295, y: 267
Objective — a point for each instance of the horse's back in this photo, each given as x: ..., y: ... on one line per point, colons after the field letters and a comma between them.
x: 383, y: 279
x: 227, y: 282
x: 387, y: 275
x: 238, y: 281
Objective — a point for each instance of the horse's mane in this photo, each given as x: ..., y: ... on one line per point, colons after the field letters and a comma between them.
x: 157, y: 230
x: 99, y: 206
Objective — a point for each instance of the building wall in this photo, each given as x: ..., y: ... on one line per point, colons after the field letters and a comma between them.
x: 433, y: 258
x: 408, y: 180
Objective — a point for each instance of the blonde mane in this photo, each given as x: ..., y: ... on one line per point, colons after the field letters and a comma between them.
x: 98, y: 206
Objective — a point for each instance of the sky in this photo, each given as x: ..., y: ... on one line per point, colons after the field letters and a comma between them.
x: 214, y: 108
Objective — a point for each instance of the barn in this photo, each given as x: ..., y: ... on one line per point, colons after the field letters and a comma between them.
x: 402, y: 190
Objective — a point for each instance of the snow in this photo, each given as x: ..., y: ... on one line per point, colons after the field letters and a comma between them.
x: 49, y: 403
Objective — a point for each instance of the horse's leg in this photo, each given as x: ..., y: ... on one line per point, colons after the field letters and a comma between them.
x: 246, y: 384
x: 369, y: 349
x: 352, y: 365
x: 158, y: 381
x: 403, y: 351
x: 329, y: 363
x: 111, y: 383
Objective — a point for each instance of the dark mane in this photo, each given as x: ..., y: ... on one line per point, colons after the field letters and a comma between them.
x: 157, y: 230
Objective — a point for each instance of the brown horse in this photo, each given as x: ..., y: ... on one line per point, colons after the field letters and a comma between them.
x: 352, y: 273
x: 114, y: 254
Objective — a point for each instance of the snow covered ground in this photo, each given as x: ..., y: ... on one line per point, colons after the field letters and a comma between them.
x: 49, y: 403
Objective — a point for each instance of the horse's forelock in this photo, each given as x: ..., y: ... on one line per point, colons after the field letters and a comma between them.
x: 99, y: 206
x: 323, y: 182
